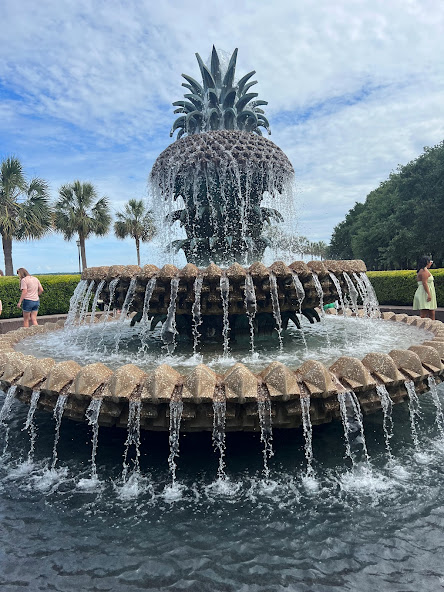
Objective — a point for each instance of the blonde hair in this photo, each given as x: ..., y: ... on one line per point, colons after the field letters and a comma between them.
x: 21, y: 272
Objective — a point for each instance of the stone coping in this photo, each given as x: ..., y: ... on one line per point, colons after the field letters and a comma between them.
x: 214, y: 272
x: 238, y: 386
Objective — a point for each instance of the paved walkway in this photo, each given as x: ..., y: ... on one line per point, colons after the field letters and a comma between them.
x: 12, y: 324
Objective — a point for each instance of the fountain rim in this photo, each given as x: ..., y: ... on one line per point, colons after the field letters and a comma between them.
x: 238, y: 385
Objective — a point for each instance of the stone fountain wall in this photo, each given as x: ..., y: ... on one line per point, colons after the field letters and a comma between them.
x: 211, y: 301
x: 238, y: 386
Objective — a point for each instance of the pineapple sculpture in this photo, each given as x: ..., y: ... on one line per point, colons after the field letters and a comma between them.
x: 221, y: 166
x: 219, y: 103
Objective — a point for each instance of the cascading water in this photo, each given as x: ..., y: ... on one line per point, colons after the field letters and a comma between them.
x: 386, y: 404
x: 338, y: 289
x: 144, y: 324
x: 176, y: 410
x: 265, y: 424
x: 352, y: 422
x: 58, y: 414
x: 30, y: 425
x: 224, y: 292
x: 320, y: 293
x: 7, y: 404
x: 5, y: 412
x: 352, y: 291
x: 300, y: 294
x: 439, y: 412
x: 112, y: 291
x: 75, y: 302
x: 414, y: 410
x: 133, y: 438
x: 169, y: 332
x: 372, y: 298
x: 95, y: 300
x: 308, y: 432
x: 124, y: 312
x: 276, y: 309
x: 319, y: 290
x: 92, y: 415
x: 367, y: 306
x: 218, y: 436
x: 250, y: 307
x: 85, y: 303
x: 196, y: 312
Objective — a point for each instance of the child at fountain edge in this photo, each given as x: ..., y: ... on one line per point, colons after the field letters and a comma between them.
x: 29, y: 300
x: 425, y: 297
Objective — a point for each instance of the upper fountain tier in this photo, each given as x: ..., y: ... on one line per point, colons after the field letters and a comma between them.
x: 297, y: 288
x: 222, y: 169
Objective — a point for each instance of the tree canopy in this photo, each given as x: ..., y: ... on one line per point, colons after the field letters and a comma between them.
x: 79, y: 211
x: 137, y: 222
x: 400, y: 220
x: 25, y: 211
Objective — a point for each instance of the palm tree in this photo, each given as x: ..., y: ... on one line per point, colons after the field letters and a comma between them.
x: 25, y: 211
x: 79, y: 211
x: 135, y: 221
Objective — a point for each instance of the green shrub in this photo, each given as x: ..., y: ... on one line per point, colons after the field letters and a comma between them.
x: 58, y: 290
x: 398, y: 287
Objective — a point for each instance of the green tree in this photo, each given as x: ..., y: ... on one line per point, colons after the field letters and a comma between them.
x: 400, y: 220
x: 137, y: 222
x: 79, y: 211
x: 25, y: 211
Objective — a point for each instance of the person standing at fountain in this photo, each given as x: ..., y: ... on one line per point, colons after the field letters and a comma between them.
x: 29, y: 300
x: 425, y: 297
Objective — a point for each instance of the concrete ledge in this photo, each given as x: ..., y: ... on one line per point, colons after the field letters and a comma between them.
x: 7, y: 325
x: 439, y: 313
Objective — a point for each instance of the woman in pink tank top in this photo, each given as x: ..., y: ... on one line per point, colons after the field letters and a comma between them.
x: 29, y: 301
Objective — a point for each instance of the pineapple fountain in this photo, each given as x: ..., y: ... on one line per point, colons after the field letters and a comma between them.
x: 213, y: 181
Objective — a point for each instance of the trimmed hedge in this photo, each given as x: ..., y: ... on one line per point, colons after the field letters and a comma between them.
x: 58, y: 290
x: 399, y: 287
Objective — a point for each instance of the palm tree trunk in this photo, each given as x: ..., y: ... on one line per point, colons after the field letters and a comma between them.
x: 7, y: 251
x: 138, y: 251
x: 82, y: 251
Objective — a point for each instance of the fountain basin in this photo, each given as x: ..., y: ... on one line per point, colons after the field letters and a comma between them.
x: 238, y: 386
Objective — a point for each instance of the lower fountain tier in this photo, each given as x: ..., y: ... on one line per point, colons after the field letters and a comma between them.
x: 239, y: 388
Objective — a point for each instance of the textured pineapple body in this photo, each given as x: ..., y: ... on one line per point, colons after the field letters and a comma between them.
x: 222, y: 177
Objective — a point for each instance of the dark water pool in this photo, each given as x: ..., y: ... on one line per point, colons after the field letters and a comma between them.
x: 368, y: 527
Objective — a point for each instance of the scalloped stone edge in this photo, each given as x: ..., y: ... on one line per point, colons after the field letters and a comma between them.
x: 238, y: 386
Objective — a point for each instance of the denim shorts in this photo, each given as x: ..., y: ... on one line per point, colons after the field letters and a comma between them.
x: 30, y: 305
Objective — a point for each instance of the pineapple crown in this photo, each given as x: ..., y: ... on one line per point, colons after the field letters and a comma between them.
x: 219, y: 103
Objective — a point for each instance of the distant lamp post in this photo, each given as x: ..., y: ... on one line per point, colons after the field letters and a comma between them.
x: 78, y: 249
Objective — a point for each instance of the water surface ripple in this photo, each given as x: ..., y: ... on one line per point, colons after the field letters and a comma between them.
x: 376, y: 526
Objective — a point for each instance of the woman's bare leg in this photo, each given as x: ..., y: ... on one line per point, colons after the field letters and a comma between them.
x: 26, y: 317
x: 34, y: 317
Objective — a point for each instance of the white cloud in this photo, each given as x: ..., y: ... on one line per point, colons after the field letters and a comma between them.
x: 354, y: 89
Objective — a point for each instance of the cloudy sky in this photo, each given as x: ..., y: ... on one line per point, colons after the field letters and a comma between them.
x: 355, y: 88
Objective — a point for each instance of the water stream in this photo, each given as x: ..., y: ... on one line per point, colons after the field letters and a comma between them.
x: 58, y: 414
x: 250, y: 307
x: 133, y: 439
x: 224, y: 292
x: 196, y: 312
x: 276, y: 308
x: 414, y: 410
x: 92, y: 416
x: 30, y: 424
